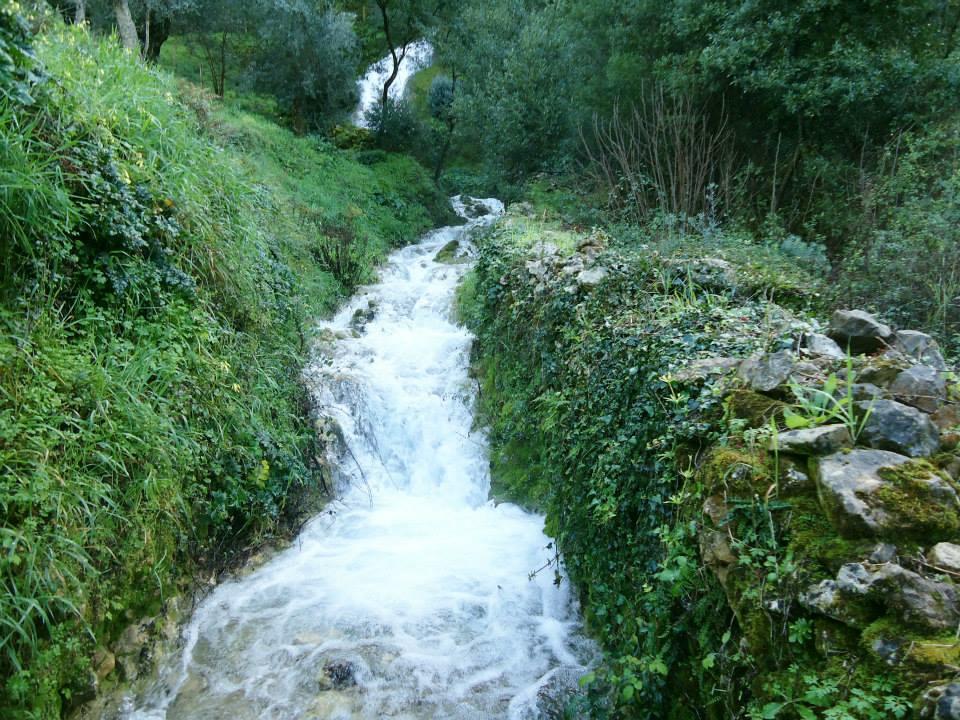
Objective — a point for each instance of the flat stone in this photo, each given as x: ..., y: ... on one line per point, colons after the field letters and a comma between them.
x: 893, y: 426
x: 945, y: 556
x: 920, y: 347
x: 920, y: 386
x: 822, y: 440
x: 702, y: 368
x: 858, y: 593
x: 767, y: 372
x: 858, y: 330
x: 847, y: 483
x: 823, y: 346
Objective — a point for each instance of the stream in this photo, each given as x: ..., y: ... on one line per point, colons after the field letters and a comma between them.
x: 414, y: 595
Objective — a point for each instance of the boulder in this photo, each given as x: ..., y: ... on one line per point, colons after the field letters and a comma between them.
x: 337, y: 675
x: 920, y: 348
x: 875, y: 493
x: 940, y: 703
x: 823, y: 346
x: 859, y: 593
x: 883, y: 553
x: 589, y: 279
x: 103, y: 663
x: 823, y: 440
x: 767, y: 372
x: 920, y: 386
x: 449, y: 254
x: 893, y: 426
x: 945, y: 556
x: 858, y: 330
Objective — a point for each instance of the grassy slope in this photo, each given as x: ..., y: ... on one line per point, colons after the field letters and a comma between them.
x: 162, y: 266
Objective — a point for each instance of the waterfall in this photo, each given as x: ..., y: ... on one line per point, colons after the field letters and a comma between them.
x: 419, y: 55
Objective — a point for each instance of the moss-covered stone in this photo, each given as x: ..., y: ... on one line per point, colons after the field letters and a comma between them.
x: 448, y: 254
x: 920, y: 509
x: 755, y: 408
x: 736, y: 472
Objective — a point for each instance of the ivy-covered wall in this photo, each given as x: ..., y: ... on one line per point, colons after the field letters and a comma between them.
x: 612, y: 383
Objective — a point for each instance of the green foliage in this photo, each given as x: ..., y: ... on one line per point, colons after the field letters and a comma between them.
x: 163, y: 261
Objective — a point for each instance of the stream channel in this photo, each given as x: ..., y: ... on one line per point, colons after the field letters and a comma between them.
x: 414, y: 595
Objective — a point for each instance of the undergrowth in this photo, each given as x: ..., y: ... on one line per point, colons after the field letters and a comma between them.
x: 163, y: 257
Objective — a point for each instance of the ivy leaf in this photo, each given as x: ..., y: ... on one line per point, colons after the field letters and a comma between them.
x: 806, y: 713
x: 771, y: 710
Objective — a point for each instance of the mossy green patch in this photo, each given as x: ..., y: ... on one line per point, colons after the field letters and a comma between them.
x: 756, y: 409
x: 916, y: 496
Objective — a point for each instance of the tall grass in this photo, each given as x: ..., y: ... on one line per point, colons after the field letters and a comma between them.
x: 157, y: 286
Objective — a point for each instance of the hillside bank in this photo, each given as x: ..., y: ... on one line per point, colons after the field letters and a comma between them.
x: 758, y: 523
x: 164, y: 258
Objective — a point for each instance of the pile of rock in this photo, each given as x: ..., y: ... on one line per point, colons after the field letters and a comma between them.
x: 885, y: 471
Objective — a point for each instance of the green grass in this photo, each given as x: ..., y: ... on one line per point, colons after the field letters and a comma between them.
x: 165, y: 256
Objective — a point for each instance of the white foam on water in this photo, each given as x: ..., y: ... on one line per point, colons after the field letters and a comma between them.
x: 417, y: 581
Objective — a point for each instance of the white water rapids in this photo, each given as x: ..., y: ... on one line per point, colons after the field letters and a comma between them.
x: 414, y: 597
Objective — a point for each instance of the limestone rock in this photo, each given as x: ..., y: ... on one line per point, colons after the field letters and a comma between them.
x: 921, y: 348
x: 822, y: 440
x: 869, y: 493
x: 591, y: 278
x: 859, y: 330
x: 883, y: 553
x: 767, y: 372
x: 920, y: 386
x: 702, y: 368
x: 945, y: 556
x: 865, y: 391
x: 847, y: 484
x: 899, y: 428
x: 823, y: 346
x: 858, y: 592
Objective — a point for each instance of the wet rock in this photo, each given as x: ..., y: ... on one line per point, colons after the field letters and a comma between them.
x: 823, y: 440
x: 767, y: 372
x: 948, y: 705
x: 920, y: 386
x: 823, y: 346
x: 337, y: 675
x: 883, y: 553
x: 920, y: 348
x: 103, y: 663
x: 361, y: 316
x: 553, y: 696
x: 449, y: 254
x: 899, y: 428
x: 589, y: 279
x: 702, y: 368
x: 131, y: 649
x: 945, y: 556
x: 858, y: 330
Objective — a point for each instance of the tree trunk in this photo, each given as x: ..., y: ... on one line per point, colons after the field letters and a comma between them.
x: 128, y: 31
x: 397, y: 59
x: 159, y: 32
x: 80, y: 17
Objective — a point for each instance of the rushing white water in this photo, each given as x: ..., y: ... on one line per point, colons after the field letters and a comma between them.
x: 416, y: 587
x: 419, y: 55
